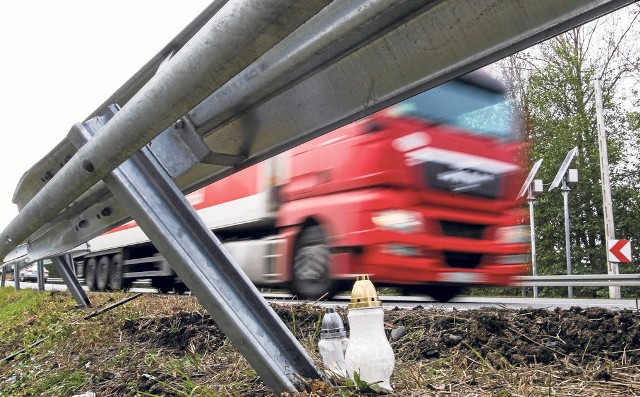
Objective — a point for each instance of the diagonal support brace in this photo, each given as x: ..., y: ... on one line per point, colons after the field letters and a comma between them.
x: 71, y: 281
x: 145, y: 189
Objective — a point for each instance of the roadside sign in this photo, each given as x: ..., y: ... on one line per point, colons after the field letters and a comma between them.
x: 619, y: 250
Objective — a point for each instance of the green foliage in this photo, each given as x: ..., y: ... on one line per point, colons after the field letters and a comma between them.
x: 557, y: 98
x: 60, y: 383
x: 45, y: 383
x: 183, y: 387
x: 37, y: 315
x: 28, y: 316
x: 361, y: 385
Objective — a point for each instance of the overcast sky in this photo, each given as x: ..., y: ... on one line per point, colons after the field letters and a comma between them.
x: 61, y: 59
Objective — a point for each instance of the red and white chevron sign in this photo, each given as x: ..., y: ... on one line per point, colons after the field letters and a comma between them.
x: 619, y: 250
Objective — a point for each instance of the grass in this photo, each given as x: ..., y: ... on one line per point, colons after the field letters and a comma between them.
x: 552, y: 292
x: 144, y: 348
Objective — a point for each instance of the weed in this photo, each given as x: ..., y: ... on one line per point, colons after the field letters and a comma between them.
x: 183, y: 386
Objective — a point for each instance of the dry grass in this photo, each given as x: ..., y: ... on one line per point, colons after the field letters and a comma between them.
x: 168, y: 346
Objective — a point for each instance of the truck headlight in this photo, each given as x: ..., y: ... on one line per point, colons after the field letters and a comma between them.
x: 514, y: 234
x: 399, y: 220
x: 402, y: 250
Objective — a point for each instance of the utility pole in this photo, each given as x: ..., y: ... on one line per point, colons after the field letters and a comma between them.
x: 609, y: 229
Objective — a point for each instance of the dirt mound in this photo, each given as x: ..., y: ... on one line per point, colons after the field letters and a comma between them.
x: 177, y: 332
x: 517, y: 337
x: 521, y: 337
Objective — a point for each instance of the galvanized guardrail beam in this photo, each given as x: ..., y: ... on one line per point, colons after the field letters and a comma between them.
x: 582, y: 280
x: 596, y: 280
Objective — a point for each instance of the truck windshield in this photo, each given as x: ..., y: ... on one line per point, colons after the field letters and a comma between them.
x: 463, y: 105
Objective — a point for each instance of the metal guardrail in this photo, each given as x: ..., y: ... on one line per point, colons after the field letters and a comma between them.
x: 580, y: 280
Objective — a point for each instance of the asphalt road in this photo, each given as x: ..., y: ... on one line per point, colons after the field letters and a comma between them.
x: 460, y: 303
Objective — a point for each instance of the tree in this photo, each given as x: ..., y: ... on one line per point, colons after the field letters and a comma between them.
x: 552, y: 86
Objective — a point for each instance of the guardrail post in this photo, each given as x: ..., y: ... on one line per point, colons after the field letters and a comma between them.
x: 145, y: 189
x: 40, y: 275
x: 16, y: 276
x: 66, y: 272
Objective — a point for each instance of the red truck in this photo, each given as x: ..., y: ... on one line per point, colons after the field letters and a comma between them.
x: 421, y: 195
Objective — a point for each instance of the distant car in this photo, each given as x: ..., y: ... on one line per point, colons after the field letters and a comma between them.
x: 31, y: 273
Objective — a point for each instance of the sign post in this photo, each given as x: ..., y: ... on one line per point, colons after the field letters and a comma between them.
x: 609, y: 229
x: 530, y: 187
x: 563, y: 178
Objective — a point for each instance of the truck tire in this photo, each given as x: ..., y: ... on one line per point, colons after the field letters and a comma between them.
x: 444, y: 293
x: 103, y: 271
x: 310, y: 274
x: 180, y: 288
x: 115, y: 276
x: 163, y: 284
x: 90, y: 273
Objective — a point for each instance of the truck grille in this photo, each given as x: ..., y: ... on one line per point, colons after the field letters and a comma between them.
x: 464, y: 260
x: 463, y: 230
x: 461, y: 180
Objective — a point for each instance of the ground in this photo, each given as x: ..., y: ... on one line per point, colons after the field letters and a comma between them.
x: 169, y: 346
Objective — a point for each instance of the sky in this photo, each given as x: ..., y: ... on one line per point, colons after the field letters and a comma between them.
x: 61, y: 59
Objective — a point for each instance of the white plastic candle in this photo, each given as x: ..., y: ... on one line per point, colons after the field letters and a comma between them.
x: 369, y: 353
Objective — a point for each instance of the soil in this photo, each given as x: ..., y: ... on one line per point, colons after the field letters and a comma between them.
x: 525, y: 336
x: 499, y: 339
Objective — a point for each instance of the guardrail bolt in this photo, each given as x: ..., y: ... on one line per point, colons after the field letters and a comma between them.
x: 179, y: 124
x: 87, y: 165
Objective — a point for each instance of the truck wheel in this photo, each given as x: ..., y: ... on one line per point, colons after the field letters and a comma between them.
x: 102, y: 273
x: 180, y: 288
x: 444, y: 293
x: 115, y: 276
x: 127, y: 283
x: 163, y: 284
x: 90, y: 273
x: 310, y: 275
